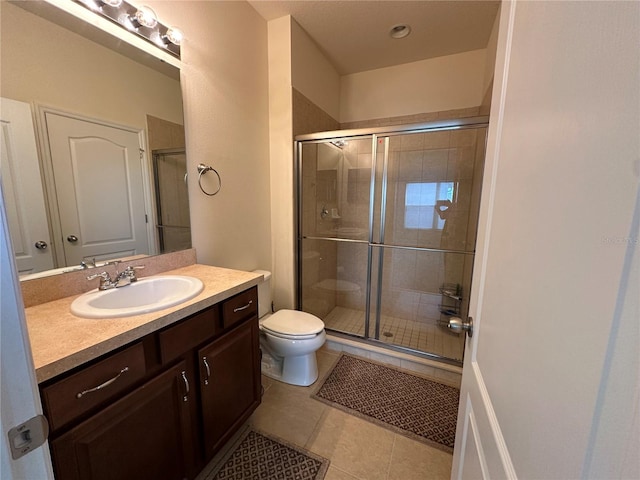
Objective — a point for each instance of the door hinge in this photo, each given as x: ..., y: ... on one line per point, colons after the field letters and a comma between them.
x: 28, y: 436
x: 146, y: 218
x: 141, y: 153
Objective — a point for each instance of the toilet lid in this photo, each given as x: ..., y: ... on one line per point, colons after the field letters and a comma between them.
x: 293, y: 322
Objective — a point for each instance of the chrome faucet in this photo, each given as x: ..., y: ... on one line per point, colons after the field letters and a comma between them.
x: 121, y: 279
x: 88, y: 264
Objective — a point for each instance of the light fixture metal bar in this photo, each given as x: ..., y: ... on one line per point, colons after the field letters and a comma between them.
x: 124, y: 15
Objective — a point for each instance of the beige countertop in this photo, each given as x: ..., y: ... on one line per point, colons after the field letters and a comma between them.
x: 61, y: 341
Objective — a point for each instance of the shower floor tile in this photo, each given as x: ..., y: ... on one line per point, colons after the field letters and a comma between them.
x: 406, y: 333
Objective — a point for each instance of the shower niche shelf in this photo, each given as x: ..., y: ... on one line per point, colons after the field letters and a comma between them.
x: 451, y: 304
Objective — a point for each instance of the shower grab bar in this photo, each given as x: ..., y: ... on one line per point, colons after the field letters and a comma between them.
x: 202, y: 169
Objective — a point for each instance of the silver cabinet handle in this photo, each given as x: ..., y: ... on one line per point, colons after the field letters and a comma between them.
x: 103, y: 385
x: 185, y: 398
x: 206, y: 365
x: 239, y: 309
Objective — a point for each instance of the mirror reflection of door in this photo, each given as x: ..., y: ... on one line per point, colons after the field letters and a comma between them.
x: 172, y: 200
x: 98, y: 174
x: 22, y: 188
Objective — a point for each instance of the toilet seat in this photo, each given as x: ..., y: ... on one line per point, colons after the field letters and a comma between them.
x: 292, y: 324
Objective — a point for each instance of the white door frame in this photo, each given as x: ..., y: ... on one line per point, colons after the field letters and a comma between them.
x: 49, y: 182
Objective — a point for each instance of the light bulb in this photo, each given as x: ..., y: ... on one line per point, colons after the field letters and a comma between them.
x: 174, y: 35
x: 146, y: 17
x: 112, y: 3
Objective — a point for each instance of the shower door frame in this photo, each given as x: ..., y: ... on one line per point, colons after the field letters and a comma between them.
x: 375, y: 133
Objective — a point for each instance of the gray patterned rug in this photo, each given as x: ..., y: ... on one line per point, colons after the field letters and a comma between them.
x: 257, y: 456
x: 407, y: 404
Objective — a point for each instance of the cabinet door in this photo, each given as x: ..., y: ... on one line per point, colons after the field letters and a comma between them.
x: 146, y: 434
x: 230, y: 383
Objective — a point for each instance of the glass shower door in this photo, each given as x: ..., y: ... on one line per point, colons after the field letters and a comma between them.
x: 172, y: 200
x: 422, y: 262
x: 387, y: 228
x: 334, y: 198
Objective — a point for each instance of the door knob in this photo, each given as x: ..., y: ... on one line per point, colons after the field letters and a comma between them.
x: 457, y: 325
x: 40, y: 245
x: 72, y: 239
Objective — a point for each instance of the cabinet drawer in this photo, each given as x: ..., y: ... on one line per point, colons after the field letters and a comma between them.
x: 240, y: 307
x: 67, y: 399
x: 178, y: 339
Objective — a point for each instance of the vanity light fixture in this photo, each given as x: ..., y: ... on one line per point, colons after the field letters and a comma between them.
x: 141, y: 21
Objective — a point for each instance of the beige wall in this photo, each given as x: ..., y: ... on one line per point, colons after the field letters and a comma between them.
x: 281, y: 151
x: 312, y: 74
x: 61, y: 69
x: 225, y: 91
x: 437, y: 84
x: 490, y: 63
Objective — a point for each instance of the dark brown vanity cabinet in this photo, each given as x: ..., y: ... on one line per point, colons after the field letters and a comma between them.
x: 146, y: 434
x: 164, y: 404
x: 228, y: 387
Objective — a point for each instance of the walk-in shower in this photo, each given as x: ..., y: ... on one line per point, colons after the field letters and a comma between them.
x: 387, y: 221
x: 171, y: 199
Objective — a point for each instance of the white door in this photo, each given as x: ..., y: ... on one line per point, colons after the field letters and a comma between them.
x: 20, y: 399
x: 98, y: 177
x: 22, y: 186
x: 551, y: 378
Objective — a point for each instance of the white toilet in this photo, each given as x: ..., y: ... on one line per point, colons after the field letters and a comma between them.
x: 289, y: 340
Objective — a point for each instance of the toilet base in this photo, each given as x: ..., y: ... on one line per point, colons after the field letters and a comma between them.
x: 301, y: 370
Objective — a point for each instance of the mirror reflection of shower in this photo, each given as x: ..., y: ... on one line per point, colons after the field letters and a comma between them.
x: 172, y: 200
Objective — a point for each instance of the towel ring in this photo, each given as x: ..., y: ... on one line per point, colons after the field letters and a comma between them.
x: 202, y: 169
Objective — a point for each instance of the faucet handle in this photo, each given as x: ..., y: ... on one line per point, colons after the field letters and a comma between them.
x: 130, y: 271
x: 103, y: 275
x: 105, y: 280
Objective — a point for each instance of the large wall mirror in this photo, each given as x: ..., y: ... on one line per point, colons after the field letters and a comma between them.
x: 107, y: 151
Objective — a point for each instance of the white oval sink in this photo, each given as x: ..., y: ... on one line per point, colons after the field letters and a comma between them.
x: 146, y: 295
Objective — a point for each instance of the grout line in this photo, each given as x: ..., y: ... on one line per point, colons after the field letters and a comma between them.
x: 393, y: 448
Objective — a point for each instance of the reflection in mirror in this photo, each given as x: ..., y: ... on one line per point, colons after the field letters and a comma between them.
x: 59, y: 76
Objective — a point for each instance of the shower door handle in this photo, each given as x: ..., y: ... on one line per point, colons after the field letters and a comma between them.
x: 457, y: 325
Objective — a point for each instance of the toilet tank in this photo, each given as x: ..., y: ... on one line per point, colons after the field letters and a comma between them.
x: 264, y: 293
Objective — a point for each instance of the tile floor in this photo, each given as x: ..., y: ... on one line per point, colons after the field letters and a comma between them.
x: 424, y: 337
x: 358, y: 450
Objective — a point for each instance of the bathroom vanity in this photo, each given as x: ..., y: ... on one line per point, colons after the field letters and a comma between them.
x: 162, y: 392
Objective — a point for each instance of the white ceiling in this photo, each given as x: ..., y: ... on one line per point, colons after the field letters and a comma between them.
x: 354, y: 35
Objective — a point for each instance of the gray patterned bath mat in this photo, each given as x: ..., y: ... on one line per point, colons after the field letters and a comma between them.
x: 407, y: 404
x: 257, y: 456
